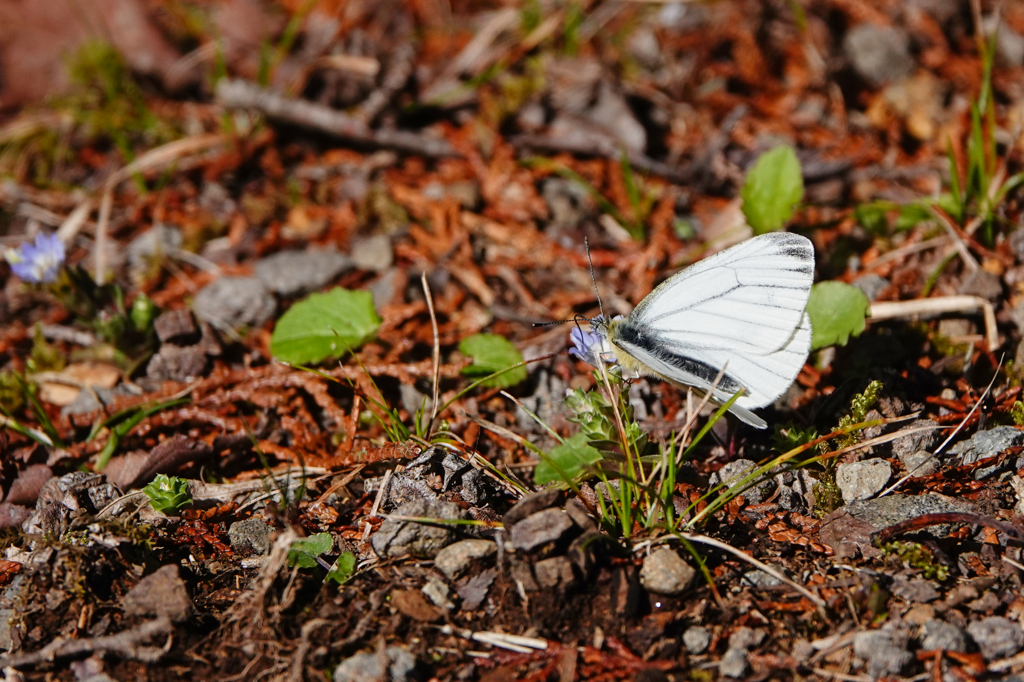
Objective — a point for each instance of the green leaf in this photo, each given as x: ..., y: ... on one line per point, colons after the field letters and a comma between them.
x: 343, y: 569
x: 565, y: 461
x: 837, y: 311
x: 492, y: 353
x: 324, y: 326
x: 773, y: 189
x: 303, y: 553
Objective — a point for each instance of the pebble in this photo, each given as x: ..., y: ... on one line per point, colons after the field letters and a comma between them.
x: 233, y: 302
x: 555, y: 573
x: 539, y: 529
x: 251, y: 535
x: 739, y: 469
x: 884, y: 650
x: 938, y: 634
x: 862, y: 480
x: 734, y: 663
x: 922, y: 440
x: 161, y: 593
x: 665, y: 572
x: 177, y: 363
x: 987, y: 444
x: 531, y: 504
x: 996, y: 637
x: 454, y: 559
x: 372, y: 253
x: 396, y: 665
x: 156, y: 242
x: 176, y: 326
x: 920, y: 463
x: 293, y: 273
x: 879, y: 54
x: 872, y: 285
x: 696, y: 639
x: 759, y: 579
x: 396, y: 538
x: 982, y: 283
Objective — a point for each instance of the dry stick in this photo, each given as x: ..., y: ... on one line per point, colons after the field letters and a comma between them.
x: 969, y: 260
x: 239, y: 94
x: 125, y: 644
x: 299, y: 657
x: 436, y: 354
x: 898, y: 254
x: 937, y: 306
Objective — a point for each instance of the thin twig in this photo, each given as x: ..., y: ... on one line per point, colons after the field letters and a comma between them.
x: 436, y: 354
x: 938, y: 306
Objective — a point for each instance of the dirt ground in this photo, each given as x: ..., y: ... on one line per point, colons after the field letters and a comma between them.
x: 194, y: 485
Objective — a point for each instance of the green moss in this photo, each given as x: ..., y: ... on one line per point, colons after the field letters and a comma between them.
x: 12, y: 393
x: 45, y: 357
x: 917, y: 556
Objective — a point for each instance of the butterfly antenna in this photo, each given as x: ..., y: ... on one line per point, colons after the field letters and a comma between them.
x: 593, y: 277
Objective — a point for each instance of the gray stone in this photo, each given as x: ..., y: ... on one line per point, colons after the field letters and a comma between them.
x: 987, y: 444
x: 177, y: 363
x: 746, y: 638
x: 1017, y: 315
x: 454, y: 559
x: 531, y: 504
x: 879, y: 54
x: 394, y: 664
x: 539, y: 529
x: 612, y: 112
x: 176, y: 326
x: 983, y: 284
x: 155, y: 243
x: 872, y: 285
x: 759, y: 579
x: 293, y: 273
x: 385, y: 288
x: 696, y: 639
x: 396, y: 538
x: 251, y: 535
x: 938, y: 634
x: 884, y: 650
x: 734, y: 663
x: 161, y: 593
x: 665, y: 572
x: 233, y: 302
x: 862, y: 480
x: 1009, y: 45
x: 738, y: 469
x: 920, y: 463
x: 555, y: 573
x: 922, y: 440
x: 996, y: 637
x: 372, y: 253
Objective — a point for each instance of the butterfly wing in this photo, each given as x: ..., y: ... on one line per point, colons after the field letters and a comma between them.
x: 741, y: 310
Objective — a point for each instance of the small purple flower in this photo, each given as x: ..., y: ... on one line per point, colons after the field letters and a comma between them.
x: 587, y: 346
x: 37, y: 263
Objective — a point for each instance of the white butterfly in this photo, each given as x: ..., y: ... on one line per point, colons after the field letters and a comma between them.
x: 739, y: 312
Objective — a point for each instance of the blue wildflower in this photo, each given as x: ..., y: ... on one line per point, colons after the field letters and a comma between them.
x: 37, y: 263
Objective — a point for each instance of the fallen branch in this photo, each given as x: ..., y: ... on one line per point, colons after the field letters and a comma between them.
x: 939, y: 306
x: 239, y: 94
x: 125, y: 644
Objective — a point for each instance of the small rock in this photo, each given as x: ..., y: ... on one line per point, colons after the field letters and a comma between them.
x: 531, y: 504
x: 920, y: 463
x: 746, y: 638
x: 734, y: 663
x: 437, y: 592
x: 373, y: 253
x: 454, y: 559
x: 555, y: 573
x: 982, y: 283
x: 884, y: 650
x: 153, y: 244
x: 177, y: 363
x: 739, y: 469
x: 385, y: 288
x: 872, y: 285
x: 1009, y: 45
x: 986, y: 603
x: 1017, y: 315
x: 611, y: 111
x: 879, y: 54
x: 250, y: 536
x: 696, y: 639
x: 914, y: 590
x: 988, y: 444
x: 862, y: 480
x: 397, y: 538
x: 293, y: 273
x: 160, y: 594
x: 643, y: 46
x: 760, y: 579
x: 665, y: 572
x: 996, y: 637
x: 394, y: 664
x: 539, y: 529
x: 922, y: 440
x: 176, y: 326
x: 233, y: 302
